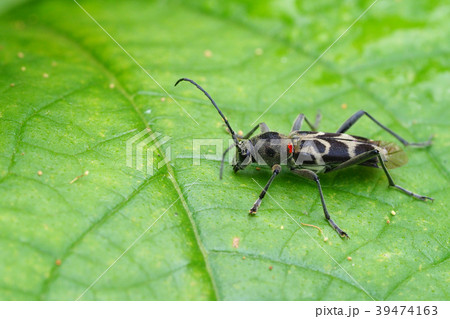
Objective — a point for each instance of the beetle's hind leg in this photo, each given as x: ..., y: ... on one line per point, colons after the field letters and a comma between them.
x: 391, y: 183
x: 355, y: 117
x: 361, y: 158
x: 305, y: 173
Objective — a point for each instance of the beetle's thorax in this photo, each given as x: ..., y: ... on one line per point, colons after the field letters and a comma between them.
x: 268, y: 148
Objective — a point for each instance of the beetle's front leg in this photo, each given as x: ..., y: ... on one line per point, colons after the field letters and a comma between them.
x: 308, y: 174
x: 276, y: 169
x: 262, y: 126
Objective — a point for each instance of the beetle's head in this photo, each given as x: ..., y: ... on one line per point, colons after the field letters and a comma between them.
x: 244, y: 150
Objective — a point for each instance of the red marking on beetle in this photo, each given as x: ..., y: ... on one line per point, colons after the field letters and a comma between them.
x: 290, y: 148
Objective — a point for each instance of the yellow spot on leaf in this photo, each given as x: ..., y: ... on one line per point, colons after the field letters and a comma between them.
x: 236, y: 242
x: 207, y: 53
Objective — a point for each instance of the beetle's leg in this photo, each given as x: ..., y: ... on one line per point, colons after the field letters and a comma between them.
x: 299, y: 121
x: 361, y: 158
x: 276, y: 169
x: 297, y: 126
x: 355, y: 117
x: 392, y: 183
x: 263, y: 126
x: 306, y: 173
x: 315, y: 127
x: 358, y: 159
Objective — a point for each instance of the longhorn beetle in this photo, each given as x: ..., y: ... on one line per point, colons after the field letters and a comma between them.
x: 308, y: 153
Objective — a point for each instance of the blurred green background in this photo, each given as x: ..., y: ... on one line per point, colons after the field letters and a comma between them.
x: 70, y: 98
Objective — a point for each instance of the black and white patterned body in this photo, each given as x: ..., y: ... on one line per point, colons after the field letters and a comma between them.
x: 316, y: 151
x: 308, y: 153
x: 322, y: 152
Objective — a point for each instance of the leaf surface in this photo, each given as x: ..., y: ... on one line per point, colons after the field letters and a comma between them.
x: 71, y: 98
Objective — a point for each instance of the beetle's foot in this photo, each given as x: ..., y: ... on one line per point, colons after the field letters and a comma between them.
x: 337, y: 229
x: 422, y: 144
x: 417, y: 196
x: 342, y: 233
x: 424, y: 198
x: 255, y: 207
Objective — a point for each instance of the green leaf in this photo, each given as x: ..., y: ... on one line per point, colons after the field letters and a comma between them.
x: 71, y: 98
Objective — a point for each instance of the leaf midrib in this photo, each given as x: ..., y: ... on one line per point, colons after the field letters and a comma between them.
x: 109, y: 74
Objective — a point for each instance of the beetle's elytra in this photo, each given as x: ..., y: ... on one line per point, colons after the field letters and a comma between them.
x: 308, y: 153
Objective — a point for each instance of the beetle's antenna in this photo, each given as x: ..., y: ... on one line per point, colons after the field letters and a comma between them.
x: 233, y: 134
x: 223, y: 159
